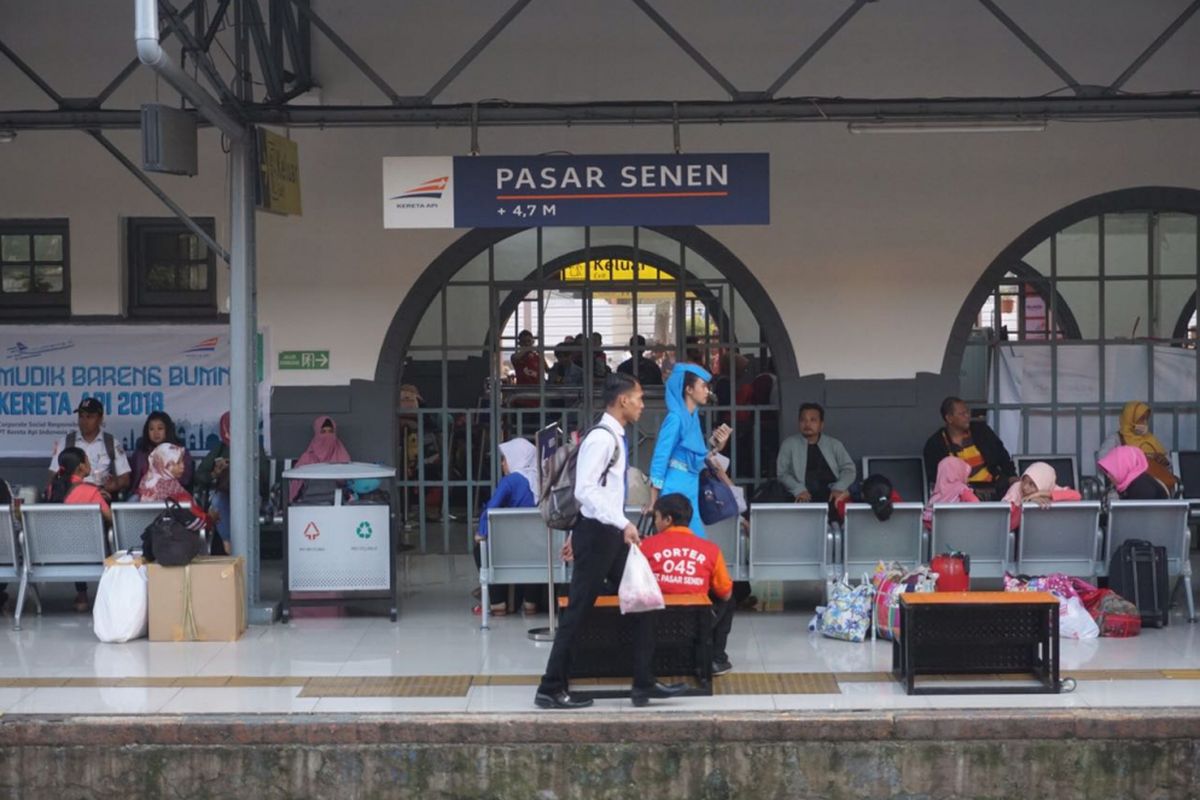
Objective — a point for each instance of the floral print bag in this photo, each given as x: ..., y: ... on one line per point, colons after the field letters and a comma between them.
x: 848, y: 614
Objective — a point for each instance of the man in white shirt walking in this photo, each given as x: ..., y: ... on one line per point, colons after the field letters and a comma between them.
x: 600, y: 543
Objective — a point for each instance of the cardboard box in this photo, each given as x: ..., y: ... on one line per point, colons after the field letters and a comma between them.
x: 214, y: 610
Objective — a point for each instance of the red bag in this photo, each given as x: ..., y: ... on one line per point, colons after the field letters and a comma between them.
x: 1116, y: 616
x: 954, y: 572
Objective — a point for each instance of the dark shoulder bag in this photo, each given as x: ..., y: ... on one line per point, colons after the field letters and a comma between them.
x: 716, y: 499
x: 168, y: 540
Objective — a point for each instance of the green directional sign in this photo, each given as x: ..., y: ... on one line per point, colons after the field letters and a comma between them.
x: 304, y: 359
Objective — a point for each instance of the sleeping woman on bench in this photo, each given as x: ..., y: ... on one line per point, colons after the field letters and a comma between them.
x: 1039, y: 484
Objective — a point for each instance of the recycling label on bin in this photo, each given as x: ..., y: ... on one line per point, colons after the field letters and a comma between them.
x: 338, y: 548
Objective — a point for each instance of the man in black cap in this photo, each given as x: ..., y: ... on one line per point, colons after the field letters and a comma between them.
x: 110, y: 467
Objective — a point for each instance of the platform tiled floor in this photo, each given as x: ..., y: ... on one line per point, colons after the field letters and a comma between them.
x: 44, y: 668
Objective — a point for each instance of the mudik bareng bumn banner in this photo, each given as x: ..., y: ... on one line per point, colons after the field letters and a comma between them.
x: 45, y: 371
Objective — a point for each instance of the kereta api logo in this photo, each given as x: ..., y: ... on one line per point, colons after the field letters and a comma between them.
x: 418, y: 192
x: 430, y: 190
x: 311, y: 531
x: 206, y: 346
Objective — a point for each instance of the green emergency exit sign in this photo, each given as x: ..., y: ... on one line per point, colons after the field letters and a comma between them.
x: 304, y: 359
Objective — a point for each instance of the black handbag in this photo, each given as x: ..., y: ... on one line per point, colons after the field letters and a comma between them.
x: 716, y: 499
x: 168, y: 540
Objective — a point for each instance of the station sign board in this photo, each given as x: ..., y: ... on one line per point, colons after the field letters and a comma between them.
x: 571, y: 190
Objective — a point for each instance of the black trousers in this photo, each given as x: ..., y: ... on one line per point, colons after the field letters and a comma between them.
x: 722, y: 623
x: 600, y: 553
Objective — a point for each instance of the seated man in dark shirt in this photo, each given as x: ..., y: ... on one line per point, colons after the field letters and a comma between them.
x: 648, y: 373
x: 814, y: 467
x: 992, y: 468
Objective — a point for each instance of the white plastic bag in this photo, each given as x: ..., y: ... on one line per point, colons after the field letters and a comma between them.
x: 1074, y: 622
x: 121, y: 611
x: 639, y: 588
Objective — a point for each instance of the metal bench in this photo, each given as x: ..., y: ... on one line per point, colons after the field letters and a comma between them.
x: 65, y: 543
x: 14, y: 557
x: 791, y: 542
x: 727, y: 535
x: 867, y: 540
x: 980, y: 530
x: 515, y: 552
x: 1163, y: 523
x: 1065, y: 537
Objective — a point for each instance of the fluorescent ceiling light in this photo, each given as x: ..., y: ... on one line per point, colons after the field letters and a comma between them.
x: 946, y: 127
x: 7, y: 136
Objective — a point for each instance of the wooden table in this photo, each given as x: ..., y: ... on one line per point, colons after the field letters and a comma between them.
x: 978, y: 633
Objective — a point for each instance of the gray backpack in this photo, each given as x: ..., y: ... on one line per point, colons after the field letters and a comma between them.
x: 560, y: 510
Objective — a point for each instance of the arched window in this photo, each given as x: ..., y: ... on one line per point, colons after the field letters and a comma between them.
x: 1115, y: 278
x: 509, y: 332
x: 1019, y: 308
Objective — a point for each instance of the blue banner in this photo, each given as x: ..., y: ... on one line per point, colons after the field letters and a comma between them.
x: 693, y: 189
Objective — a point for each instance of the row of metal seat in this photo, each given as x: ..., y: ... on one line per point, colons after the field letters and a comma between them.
x: 796, y: 542
x: 53, y: 543
x: 908, y: 476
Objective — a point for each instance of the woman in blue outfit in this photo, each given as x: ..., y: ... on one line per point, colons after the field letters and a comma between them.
x: 680, y: 453
x: 518, y: 488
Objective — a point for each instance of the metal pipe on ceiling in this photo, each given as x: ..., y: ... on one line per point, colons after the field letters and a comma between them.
x: 150, y: 52
x: 1184, y: 105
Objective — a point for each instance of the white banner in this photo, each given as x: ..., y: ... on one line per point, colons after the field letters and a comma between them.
x: 45, y: 371
x: 1025, y: 378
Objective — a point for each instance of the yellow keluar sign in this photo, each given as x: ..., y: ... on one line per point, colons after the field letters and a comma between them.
x: 278, y: 174
x: 613, y: 269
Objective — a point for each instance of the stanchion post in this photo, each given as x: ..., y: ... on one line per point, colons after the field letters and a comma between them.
x: 547, y: 634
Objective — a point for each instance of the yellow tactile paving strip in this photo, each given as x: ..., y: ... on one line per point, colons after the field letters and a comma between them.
x: 734, y: 683
x: 776, y: 683
x: 399, y: 686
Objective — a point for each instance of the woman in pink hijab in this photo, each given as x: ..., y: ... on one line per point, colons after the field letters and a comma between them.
x: 950, y: 486
x: 1129, y: 470
x: 1039, y: 484
x: 325, y: 448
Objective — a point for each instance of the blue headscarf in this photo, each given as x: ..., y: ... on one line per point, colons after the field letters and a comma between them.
x: 691, y: 437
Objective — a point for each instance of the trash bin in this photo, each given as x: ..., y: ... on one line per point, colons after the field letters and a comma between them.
x: 346, y: 548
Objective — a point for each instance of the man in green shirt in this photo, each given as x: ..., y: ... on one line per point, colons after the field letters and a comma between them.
x: 815, y: 468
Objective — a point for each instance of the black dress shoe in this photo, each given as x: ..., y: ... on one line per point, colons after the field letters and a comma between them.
x: 641, y: 697
x: 559, y: 699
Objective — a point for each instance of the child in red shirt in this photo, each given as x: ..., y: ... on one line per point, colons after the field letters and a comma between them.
x: 684, y: 563
x: 69, y: 487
